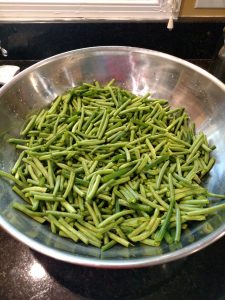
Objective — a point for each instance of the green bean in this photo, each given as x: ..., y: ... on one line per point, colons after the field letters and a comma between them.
x: 135, y: 206
x: 153, y: 219
x: 151, y: 148
x: 18, y: 162
x: 79, y: 191
x: 35, y: 189
x: 64, y: 214
x: 152, y: 204
x: 158, y: 198
x: 114, y: 217
x: 93, y: 214
x: 215, y: 195
x: 150, y: 242
x: 178, y: 224
x: 209, y: 166
x: 145, y: 234
x: 195, y: 201
x: 69, y: 185
x: 41, y: 168
x: 113, y: 95
x: 114, y: 130
x: 20, y: 193
x: 116, y: 112
x: 110, y: 226
x: 108, y: 245
x: 50, y: 174
x: 177, y: 140
x: 115, y: 174
x: 11, y: 177
x: 69, y: 230
x: 195, y: 146
x: 93, y: 187
x: 55, y: 105
x: 162, y: 230
x: 161, y: 174
x: 46, y: 197
x: 91, y: 238
x: 37, y: 216
x: 138, y: 230
x: 119, y: 168
x: 208, y: 210
x: 29, y: 126
x: 118, y: 239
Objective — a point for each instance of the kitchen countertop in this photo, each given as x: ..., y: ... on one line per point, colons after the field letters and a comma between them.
x: 26, y: 274
x: 188, y: 40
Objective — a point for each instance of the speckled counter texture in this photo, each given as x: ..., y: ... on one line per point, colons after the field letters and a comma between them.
x: 26, y: 274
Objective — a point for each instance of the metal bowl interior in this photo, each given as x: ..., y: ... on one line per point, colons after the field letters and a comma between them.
x: 139, y: 70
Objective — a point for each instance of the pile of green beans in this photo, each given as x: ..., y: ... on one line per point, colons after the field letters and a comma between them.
x: 103, y: 166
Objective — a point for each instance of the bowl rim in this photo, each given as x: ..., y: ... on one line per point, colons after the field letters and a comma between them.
x: 113, y: 263
x: 112, y: 49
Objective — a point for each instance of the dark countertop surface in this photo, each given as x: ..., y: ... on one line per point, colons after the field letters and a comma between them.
x: 26, y: 274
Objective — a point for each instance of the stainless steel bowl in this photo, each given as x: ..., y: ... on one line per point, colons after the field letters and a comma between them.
x: 138, y: 70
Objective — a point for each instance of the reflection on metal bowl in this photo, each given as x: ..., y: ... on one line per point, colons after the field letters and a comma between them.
x: 138, y: 70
